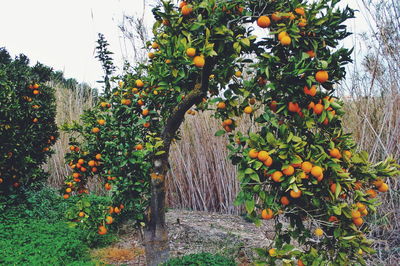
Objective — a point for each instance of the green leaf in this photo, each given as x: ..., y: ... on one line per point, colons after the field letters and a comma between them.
x: 219, y: 133
x: 249, y: 206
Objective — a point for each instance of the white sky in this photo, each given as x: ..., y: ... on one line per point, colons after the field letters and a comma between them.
x: 62, y: 34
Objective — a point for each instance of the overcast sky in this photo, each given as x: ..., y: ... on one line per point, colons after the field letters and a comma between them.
x: 62, y: 34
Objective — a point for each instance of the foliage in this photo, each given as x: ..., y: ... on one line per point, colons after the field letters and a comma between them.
x: 200, y: 259
x: 298, y: 165
x: 103, y: 54
x: 27, y: 127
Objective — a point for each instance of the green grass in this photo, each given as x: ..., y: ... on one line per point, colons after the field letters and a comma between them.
x: 201, y: 259
x: 35, y: 232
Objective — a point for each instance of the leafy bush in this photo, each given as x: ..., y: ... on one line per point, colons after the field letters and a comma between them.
x: 27, y: 125
x: 200, y: 259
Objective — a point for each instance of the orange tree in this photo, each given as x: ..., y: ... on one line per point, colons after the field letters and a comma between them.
x: 27, y: 125
x: 298, y: 165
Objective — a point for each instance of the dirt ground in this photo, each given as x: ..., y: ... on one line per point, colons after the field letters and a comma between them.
x: 194, y: 232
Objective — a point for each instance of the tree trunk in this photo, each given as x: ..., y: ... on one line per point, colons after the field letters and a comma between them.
x: 156, y: 233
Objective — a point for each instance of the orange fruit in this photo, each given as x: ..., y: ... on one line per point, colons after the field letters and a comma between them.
x: 145, y: 112
x: 98, y: 156
x: 316, y: 171
x: 199, y: 61
x: 165, y: 22
x: 221, y: 105
x: 95, y: 130
x: 155, y: 45
x: 139, y: 147
x: 191, y: 52
x: 186, y: 10
x: 273, y: 106
x: 263, y: 156
x: 321, y: 76
x: 263, y: 22
x: 320, y: 177
x: 371, y: 193
x: 76, y: 175
x: 335, y: 153
x: 355, y: 214
x: 102, y: 230
x: 35, y: 92
x: 267, y: 214
x: 281, y: 35
x: 302, y: 22
x: 300, y: 263
x: 312, y: 91
x: 35, y: 120
x: 272, y: 252
x: 94, y: 169
x: 117, y: 210
x: 288, y: 171
x: 72, y: 148
x: 276, y: 176
x: 92, y: 163
x: 347, y: 154
x: 81, y: 161
x: 35, y: 86
x: 139, y: 83
x: 182, y: 4
x: 333, y: 219
x: 101, y: 122
x: 140, y: 102
x: 286, y: 40
x: 383, y: 188
x: 357, y: 185
x: 109, y: 220
x: 238, y: 74
x: 364, y: 212
x: 294, y: 194
x: 253, y: 153
x: 377, y: 183
x: 228, y: 122
x: 107, y: 186
x: 81, y: 214
x: 361, y: 207
x: 83, y: 169
x: 151, y: 55
x: 248, y: 110
x: 358, y: 221
x: 146, y: 125
x: 318, y: 108
x: 252, y: 101
x: 300, y: 11
x: 68, y: 190
x: 311, y: 53
x: 275, y: 16
x: 306, y: 166
x: 293, y: 107
x: 268, y: 162
x: 285, y: 201
x: 318, y: 232
x: 66, y: 196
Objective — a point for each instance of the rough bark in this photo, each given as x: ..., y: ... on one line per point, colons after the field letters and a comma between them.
x: 156, y: 233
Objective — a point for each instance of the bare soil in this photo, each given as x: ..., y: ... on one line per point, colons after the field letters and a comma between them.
x: 194, y: 232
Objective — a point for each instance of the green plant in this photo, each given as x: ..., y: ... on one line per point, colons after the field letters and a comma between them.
x: 201, y: 259
x: 27, y: 126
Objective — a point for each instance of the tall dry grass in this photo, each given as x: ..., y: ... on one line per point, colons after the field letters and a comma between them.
x: 72, y: 99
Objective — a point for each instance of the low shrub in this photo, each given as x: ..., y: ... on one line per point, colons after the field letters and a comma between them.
x: 201, y: 259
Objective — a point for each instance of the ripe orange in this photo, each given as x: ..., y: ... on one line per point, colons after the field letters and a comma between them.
x: 285, y: 201
x: 191, y: 52
x: 35, y: 86
x: 95, y: 130
x: 182, y: 4
x: 101, y: 122
x: 263, y: 156
x: 355, y: 214
x: 302, y: 22
x: 68, y: 190
x: 107, y: 186
x: 358, y: 221
x: 221, y: 105
x: 199, y: 61
x: 335, y: 153
x: 81, y: 161
x: 288, y: 171
x: 248, y: 110
x: 145, y: 112
x: 360, y: 206
x: 155, y: 45
x: 81, y: 214
x: 281, y: 35
x: 35, y: 120
x: 333, y: 219
x: 263, y: 22
x: 117, y: 210
x: 268, y: 162
x: 286, y: 40
x: 316, y: 171
x: 83, y: 169
x: 383, y: 188
x: 347, y: 154
x: 94, y: 169
x: 102, y: 230
x: 293, y: 107
x: 272, y: 252
x: 76, y: 175
x: 312, y: 91
x: 253, y: 153
x: 227, y: 122
x: 98, y: 156
x: 267, y: 214
x: 318, y: 108
x: 295, y: 194
x: 140, y: 102
x: 139, y: 83
x: 306, y: 166
x: 228, y: 129
x: 357, y: 185
x: 300, y: 11
x: 146, y: 125
x: 151, y: 55
x: 109, y: 220
x: 238, y: 74
x: 318, y: 232
x: 275, y: 16
x: 276, y: 176
x: 92, y: 163
x: 273, y: 106
x: 186, y: 10
x: 139, y: 147
x: 320, y: 177
x: 72, y: 148
x: 371, y: 193
x: 66, y: 196
x: 364, y: 212
x: 1, y: 180
x: 321, y: 76
x: 35, y: 92
x: 300, y: 263
x: 311, y: 53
